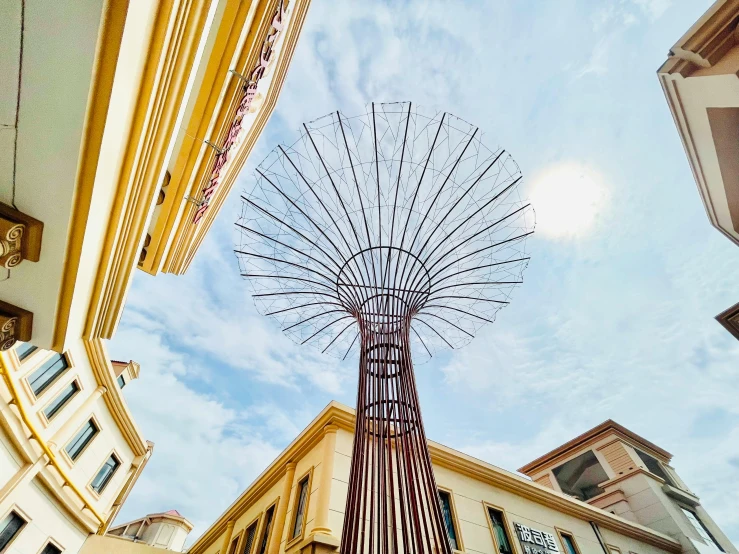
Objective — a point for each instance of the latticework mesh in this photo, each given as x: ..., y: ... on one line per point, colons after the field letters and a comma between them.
x: 395, y: 213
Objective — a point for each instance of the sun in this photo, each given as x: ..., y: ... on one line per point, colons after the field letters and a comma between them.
x: 568, y: 198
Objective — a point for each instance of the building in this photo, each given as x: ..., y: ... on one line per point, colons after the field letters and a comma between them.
x: 124, y: 125
x: 701, y: 83
x: 166, y: 530
x: 606, y: 492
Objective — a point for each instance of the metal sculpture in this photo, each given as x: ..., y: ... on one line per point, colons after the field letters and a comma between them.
x: 386, y: 233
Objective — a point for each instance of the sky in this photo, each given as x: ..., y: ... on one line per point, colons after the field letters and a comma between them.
x: 615, y: 318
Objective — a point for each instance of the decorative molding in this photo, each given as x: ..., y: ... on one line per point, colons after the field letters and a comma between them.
x: 173, y: 45
x: 441, y: 456
x: 105, y: 376
x: 20, y: 237
x: 730, y: 320
x: 221, y: 104
x: 106, y: 60
x: 15, y: 324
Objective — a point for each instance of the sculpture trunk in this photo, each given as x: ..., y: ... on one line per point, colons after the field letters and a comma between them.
x: 392, y: 503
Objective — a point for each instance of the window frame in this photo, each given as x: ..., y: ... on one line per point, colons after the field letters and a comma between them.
x: 35, y: 350
x: 45, y: 420
x: 715, y: 542
x: 506, y: 524
x: 561, y: 533
x: 121, y: 380
x: 120, y: 465
x: 613, y: 549
x: 63, y: 450
x: 256, y: 522
x: 455, y: 518
x: 26, y: 385
x: 49, y: 541
x: 21, y: 514
x: 293, y: 515
x: 234, y: 539
x: 263, y: 523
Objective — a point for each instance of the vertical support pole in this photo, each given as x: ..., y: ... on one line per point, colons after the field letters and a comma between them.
x: 279, y: 525
x: 327, y: 474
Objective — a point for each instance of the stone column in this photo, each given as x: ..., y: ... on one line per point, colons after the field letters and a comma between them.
x: 279, y: 528
x: 227, y: 536
x: 327, y: 474
x: 75, y: 420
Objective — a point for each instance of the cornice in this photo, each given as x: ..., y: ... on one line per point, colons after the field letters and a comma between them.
x: 116, y: 404
x: 172, y: 49
x: 344, y: 418
x: 188, y: 237
x: 106, y: 59
x: 706, y: 42
x: 590, y: 437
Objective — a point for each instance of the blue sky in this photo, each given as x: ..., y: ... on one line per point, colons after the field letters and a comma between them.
x: 614, y: 320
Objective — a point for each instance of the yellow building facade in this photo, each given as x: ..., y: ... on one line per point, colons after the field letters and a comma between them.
x: 124, y: 126
x: 297, y: 504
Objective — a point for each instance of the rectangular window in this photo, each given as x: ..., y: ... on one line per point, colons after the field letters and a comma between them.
x: 446, y: 511
x: 302, y: 500
x: 501, y: 535
x: 251, y: 534
x: 9, y: 529
x: 105, y: 474
x: 233, y: 546
x: 569, y: 543
x: 267, y: 528
x: 121, y: 381
x: 51, y: 549
x: 24, y: 350
x: 77, y: 445
x: 61, y: 400
x: 43, y: 377
x: 701, y: 529
x: 654, y: 467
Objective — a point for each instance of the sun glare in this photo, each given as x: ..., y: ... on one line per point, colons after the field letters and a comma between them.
x: 567, y: 197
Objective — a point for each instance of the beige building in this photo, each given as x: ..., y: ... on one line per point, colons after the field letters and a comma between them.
x: 700, y: 80
x: 163, y: 530
x: 606, y: 492
x: 124, y: 126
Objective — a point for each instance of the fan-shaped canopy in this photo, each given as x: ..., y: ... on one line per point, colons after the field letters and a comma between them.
x: 394, y: 215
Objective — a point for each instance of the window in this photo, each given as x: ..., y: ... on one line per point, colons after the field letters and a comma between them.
x: 85, y: 435
x: 43, y: 377
x: 302, y: 500
x: 121, y: 381
x: 234, y: 544
x: 267, y: 528
x: 654, y: 467
x: 580, y: 476
x: 24, y: 350
x: 446, y: 510
x: 499, y: 531
x: 569, y: 543
x: 105, y: 474
x: 251, y: 533
x: 9, y: 529
x: 61, y: 399
x: 703, y: 532
x: 51, y: 548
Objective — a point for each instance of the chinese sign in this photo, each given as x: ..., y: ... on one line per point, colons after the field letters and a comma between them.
x: 534, y: 541
x: 250, y: 91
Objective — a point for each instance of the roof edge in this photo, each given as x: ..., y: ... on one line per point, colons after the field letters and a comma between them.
x: 607, y: 426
